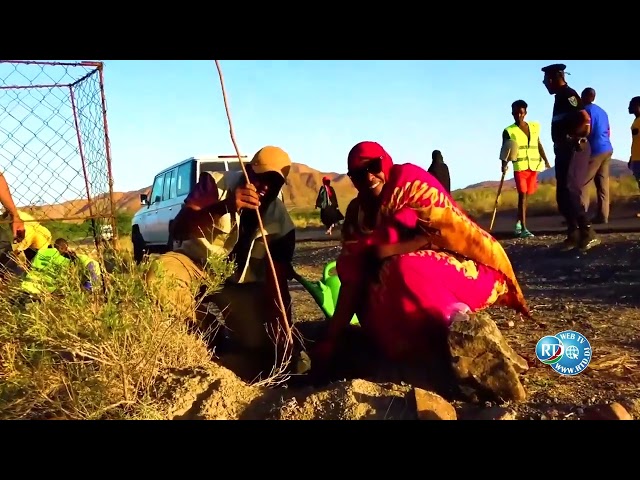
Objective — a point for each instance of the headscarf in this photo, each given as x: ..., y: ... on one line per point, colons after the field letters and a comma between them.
x: 436, y: 156
x: 368, y: 151
x: 326, y: 183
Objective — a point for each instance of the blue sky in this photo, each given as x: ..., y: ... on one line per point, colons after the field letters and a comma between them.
x: 161, y: 112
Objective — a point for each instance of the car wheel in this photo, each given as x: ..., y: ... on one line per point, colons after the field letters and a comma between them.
x: 172, y: 244
x: 139, y: 246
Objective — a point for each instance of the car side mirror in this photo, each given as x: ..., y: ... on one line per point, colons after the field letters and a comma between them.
x: 144, y: 200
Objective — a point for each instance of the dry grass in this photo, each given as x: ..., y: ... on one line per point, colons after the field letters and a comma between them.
x: 77, y: 355
x: 305, y: 218
x: 479, y: 201
x: 87, y: 357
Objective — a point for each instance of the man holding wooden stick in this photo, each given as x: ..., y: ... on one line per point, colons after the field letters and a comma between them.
x: 219, y: 218
x: 530, y: 161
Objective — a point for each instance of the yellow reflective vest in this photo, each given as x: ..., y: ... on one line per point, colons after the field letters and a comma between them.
x: 528, y: 150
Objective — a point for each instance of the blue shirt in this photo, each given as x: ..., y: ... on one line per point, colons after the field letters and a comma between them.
x: 600, y: 130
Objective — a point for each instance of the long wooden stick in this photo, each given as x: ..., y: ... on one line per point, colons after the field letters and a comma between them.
x: 495, y: 208
x: 260, y: 224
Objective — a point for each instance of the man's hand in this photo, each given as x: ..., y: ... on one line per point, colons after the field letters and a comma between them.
x: 245, y: 197
x: 17, y: 225
x: 577, y: 142
x: 547, y: 165
x: 581, y: 144
x: 505, y: 167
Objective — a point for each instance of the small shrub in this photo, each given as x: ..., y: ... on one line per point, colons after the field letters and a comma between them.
x: 481, y: 200
x: 79, y: 355
x: 305, y: 218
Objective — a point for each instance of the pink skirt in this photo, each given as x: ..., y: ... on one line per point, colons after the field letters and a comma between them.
x: 416, y: 295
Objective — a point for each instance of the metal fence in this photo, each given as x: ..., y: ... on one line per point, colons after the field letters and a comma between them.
x: 55, y: 149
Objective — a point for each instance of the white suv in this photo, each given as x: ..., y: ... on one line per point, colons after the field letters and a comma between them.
x: 152, y: 223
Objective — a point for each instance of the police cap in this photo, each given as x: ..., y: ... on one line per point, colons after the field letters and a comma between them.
x: 555, y: 68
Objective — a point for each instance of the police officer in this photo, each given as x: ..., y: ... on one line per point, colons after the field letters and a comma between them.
x: 570, y: 127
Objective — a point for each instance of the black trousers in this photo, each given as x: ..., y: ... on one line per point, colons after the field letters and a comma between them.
x: 572, y: 169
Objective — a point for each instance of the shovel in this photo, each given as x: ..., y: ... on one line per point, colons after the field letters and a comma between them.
x: 325, y: 291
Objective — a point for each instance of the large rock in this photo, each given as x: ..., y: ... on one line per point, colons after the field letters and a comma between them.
x: 431, y: 406
x: 482, y: 358
x: 613, y: 411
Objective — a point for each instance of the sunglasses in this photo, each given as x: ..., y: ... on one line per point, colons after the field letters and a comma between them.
x: 372, y: 166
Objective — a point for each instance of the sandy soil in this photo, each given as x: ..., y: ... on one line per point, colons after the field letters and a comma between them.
x: 596, y: 294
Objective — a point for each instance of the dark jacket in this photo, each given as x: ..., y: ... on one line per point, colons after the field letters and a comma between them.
x: 440, y: 170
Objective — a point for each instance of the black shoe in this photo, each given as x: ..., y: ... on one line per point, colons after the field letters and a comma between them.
x: 588, y: 240
x: 571, y: 242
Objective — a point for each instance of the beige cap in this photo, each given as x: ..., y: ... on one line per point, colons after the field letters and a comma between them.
x: 271, y: 159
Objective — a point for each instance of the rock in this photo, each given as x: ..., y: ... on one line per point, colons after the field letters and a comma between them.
x: 495, y: 413
x: 431, y: 406
x: 481, y: 356
x: 613, y: 411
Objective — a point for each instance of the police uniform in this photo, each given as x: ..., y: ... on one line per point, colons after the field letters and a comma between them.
x: 571, y: 164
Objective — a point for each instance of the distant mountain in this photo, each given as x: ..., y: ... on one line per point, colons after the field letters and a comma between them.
x: 300, y: 192
x: 618, y: 169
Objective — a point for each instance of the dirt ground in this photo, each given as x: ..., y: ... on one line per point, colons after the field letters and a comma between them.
x: 595, y: 294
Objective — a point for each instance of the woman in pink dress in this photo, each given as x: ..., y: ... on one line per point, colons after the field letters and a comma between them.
x: 412, y: 262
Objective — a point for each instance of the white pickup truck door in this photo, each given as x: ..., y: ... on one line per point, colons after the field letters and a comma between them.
x: 168, y: 208
x: 148, y: 217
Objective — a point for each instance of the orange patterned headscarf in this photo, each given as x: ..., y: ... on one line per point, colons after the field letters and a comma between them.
x: 413, y: 198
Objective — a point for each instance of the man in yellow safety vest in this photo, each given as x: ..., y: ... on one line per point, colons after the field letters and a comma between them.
x: 531, y: 160
x: 90, y: 268
x: 16, y: 253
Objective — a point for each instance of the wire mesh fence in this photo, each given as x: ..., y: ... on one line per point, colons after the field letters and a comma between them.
x: 54, y: 149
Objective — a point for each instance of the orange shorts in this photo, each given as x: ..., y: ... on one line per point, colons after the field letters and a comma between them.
x: 526, y: 181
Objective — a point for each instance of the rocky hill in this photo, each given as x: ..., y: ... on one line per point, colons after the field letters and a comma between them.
x: 299, y: 193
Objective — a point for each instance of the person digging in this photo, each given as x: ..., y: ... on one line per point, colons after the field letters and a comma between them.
x: 219, y: 218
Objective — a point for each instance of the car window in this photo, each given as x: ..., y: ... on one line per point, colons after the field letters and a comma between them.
x: 170, y: 184
x: 174, y: 183
x: 156, y: 191
x: 183, y: 181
